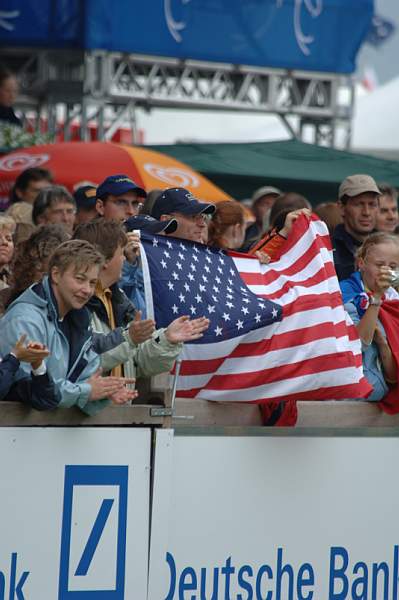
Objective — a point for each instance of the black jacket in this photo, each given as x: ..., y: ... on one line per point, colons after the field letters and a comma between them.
x: 345, y: 247
x: 37, y: 391
x: 8, y: 115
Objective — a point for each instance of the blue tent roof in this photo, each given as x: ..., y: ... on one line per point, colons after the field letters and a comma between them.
x: 315, y: 36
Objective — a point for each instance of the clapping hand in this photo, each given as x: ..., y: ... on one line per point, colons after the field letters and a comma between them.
x: 32, y: 352
x: 105, y: 387
x: 184, y: 329
x: 123, y: 395
x: 140, y: 331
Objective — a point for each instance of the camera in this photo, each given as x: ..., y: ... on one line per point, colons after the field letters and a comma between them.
x: 395, y: 277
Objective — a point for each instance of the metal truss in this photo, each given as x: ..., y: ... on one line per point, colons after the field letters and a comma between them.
x: 105, y: 87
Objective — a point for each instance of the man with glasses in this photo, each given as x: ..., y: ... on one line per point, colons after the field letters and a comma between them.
x: 191, y: 214
x: 119, y: 198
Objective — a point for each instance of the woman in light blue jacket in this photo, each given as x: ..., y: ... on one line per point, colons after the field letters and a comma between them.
x: 53, y: 312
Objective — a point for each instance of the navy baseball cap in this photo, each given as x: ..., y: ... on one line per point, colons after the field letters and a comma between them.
x: 85, y: 197
x: 118, y: 185
x: 182, y: 201
x: 147, y: 223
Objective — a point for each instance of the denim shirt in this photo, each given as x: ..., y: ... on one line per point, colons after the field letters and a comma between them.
x: 132, y: 283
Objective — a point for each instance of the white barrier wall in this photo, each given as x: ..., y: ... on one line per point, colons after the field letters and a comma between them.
x: 74, y: 513
x: 275, y: 518
x: 265, y: 517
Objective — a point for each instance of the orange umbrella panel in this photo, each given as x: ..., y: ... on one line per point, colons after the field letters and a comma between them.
x: 75, y: 163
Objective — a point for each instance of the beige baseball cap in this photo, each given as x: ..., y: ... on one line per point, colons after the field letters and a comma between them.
x: 266, y: 190
x: 357, y: 184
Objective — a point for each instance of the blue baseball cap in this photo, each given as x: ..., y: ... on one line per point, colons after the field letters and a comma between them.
x: 85, y: 197
x: 118, y: 185
x: 182, y: 201
x: 147, y: 223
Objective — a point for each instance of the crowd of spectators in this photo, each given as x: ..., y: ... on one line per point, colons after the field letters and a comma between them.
x: 74, y: 329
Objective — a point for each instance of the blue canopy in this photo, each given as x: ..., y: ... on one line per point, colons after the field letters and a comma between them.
x: 315, y: 35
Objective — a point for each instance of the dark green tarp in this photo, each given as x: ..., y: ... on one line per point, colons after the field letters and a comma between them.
x: 313, y: 171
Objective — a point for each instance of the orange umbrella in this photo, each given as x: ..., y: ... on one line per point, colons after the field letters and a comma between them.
x: 74, y: 162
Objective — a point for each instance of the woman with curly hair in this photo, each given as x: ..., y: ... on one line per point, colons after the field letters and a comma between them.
x: 31, y: 260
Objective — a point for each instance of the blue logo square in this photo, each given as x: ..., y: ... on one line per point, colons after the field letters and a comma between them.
x: 110, y: 485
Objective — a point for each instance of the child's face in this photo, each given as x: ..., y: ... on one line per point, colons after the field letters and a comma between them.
x: 378, y: 256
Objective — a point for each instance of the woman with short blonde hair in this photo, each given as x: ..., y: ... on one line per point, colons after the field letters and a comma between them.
x: 7, y: 230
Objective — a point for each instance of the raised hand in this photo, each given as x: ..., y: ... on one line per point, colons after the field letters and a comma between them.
x: 184, y: 329
x: 132, y: 248
x: 291, y: 218
x: 140, y: 331
x: 32, y: 352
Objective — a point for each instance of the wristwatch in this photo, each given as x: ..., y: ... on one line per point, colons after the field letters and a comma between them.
x: 374, y: 301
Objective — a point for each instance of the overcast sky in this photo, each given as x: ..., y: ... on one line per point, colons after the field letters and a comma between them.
x: 384, y: 59
x: 167, y: 126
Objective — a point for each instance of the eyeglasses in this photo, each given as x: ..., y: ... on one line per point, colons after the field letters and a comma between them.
x: 69, y: 212
x: 125, y: 203
x: 197, y: 218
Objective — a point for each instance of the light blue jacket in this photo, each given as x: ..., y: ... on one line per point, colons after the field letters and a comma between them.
x: 354, y: 295
x: 35, y: 313
x: 372, y: 367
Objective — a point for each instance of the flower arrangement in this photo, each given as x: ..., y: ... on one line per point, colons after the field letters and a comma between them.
x: 12, y: 136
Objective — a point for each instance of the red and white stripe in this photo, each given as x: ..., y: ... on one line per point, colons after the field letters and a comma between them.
x: 314, y: 353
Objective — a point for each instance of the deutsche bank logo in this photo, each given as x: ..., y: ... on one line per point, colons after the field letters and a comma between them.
x: 93, y: 539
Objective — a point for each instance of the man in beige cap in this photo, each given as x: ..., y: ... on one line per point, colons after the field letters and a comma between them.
x: 358, y: 200
x: 262, y: 201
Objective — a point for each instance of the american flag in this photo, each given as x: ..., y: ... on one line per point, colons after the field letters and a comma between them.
x: 277, y: 331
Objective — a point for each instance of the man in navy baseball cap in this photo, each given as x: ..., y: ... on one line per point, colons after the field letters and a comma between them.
x: 85, y: 198
x: 151, y: 225
x: 119, y: 197
x: 189, y: 212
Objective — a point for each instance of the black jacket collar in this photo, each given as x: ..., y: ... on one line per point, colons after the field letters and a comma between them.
x: 122, y: 307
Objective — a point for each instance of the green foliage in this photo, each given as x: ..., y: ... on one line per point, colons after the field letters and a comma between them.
x: 12, y: 137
